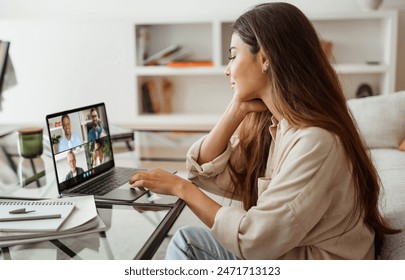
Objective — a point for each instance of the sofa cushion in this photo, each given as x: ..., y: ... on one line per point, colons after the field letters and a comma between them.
x: 381, y: 119
x: 390, y: 165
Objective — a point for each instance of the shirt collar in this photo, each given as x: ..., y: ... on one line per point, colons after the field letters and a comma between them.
x: 282, y: 125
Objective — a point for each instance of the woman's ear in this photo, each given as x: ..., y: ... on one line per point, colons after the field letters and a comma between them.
x: 266, y: 66
x: 264, y: 61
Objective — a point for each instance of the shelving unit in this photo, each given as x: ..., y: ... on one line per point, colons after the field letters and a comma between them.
x: 364, y: 50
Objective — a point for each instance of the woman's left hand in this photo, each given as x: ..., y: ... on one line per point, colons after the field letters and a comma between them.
x: 158, y: 181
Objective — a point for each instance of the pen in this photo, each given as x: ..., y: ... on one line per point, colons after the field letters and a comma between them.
x: 20, y: 211
x: 25, y: 218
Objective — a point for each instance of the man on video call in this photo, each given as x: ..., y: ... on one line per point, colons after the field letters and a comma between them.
x: 68, y: 140
x: 96, y: 131
x: 74, y: 170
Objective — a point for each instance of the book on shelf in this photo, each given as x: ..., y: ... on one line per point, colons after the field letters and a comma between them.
x: 166, y: 55
x: 156, y: 99
x: 83, y: 220
x: 190, y: 63
x: 153, y: 59
x: 143, y: 44
x: 147, y: 106
x: 154, y: 96
x: 167, y: 96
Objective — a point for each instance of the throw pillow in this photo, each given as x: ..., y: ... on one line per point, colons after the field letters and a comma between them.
x: 381, y: 119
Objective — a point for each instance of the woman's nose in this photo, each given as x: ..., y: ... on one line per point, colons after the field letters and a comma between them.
x: 227, y: 72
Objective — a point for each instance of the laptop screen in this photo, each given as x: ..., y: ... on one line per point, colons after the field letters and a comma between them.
x: 81, y: 144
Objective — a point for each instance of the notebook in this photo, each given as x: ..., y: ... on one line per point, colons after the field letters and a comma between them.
x: 83, y: 155
x: 36, y: 215
x: 83, y: 220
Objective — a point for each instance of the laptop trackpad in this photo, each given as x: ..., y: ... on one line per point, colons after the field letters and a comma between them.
x: 126, y: 192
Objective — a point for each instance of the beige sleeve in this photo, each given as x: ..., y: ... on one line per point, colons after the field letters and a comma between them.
x: 213, y: 176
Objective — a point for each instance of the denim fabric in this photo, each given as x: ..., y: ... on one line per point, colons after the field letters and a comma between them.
x: 195, y: 243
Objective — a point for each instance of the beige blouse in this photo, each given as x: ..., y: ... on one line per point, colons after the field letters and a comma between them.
x: 304, y: 205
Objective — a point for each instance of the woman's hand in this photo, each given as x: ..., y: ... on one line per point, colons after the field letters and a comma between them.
x: 249, y: 106
x: 163, y: 182
x: 217, y: 140
x: 159, y: 181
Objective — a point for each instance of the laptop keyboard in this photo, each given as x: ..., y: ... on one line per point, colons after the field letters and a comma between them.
x: 107, y: 183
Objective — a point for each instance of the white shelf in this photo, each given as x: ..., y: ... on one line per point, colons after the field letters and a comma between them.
x: 345, y: 68
x: 172, y: 71
x: 202, y: 93
x: 360, y: 68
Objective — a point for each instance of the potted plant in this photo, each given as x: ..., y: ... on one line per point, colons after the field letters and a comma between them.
x: 55, y: 142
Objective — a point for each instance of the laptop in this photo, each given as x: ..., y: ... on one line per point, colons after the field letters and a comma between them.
x: 84, y: 164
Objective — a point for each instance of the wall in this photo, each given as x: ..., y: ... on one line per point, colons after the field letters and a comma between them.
x: 68, y: 53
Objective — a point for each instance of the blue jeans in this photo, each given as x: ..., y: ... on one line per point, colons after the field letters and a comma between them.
x: 194, y: 243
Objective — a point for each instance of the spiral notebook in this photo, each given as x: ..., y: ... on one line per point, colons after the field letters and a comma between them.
x: 37, y: 216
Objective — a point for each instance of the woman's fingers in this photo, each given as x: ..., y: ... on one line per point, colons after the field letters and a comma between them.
x: 139, y: 178
x: 156, y: 180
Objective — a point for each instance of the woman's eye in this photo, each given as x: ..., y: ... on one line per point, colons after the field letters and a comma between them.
x: 232, y: 57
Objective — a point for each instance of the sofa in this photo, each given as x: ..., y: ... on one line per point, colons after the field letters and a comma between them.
x: 381, y: 121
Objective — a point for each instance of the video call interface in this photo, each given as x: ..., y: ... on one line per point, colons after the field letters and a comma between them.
x: 80, y: 143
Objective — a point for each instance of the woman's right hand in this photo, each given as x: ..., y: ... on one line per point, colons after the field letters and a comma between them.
x: 245, y: 107
x: 217, y: 140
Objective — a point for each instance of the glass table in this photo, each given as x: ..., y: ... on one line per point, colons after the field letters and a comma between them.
x: 133, y: 230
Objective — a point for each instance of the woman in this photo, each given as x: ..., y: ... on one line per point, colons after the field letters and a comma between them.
x: 287, y: 147
x: 98, y: 154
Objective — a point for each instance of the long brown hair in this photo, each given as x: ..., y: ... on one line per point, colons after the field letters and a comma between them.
x: 306, y: 93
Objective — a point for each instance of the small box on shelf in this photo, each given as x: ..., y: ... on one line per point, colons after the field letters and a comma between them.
x: 190, y: 63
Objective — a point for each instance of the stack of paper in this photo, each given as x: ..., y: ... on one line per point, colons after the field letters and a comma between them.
x: 82, y: 218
